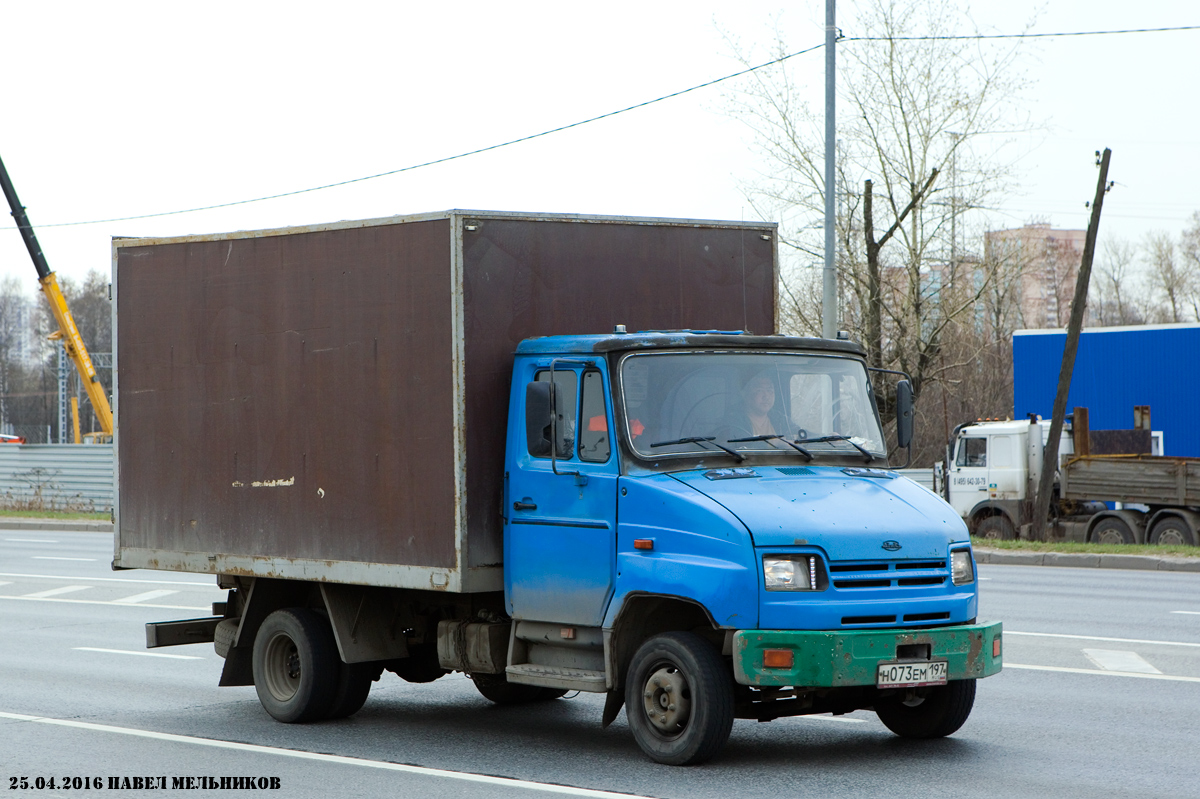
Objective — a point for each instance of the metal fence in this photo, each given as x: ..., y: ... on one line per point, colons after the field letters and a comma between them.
x: 73, y: 477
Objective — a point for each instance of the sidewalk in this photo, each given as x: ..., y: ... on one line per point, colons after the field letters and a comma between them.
x: 54, y: 525
x: 1085, y: 560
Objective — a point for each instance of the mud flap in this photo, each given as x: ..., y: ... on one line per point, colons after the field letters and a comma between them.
x: 613, y: 702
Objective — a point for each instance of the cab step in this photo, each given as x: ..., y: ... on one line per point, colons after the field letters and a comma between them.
x: 557, y: 677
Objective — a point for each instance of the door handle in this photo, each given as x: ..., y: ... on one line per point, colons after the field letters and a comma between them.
x: 524, y: 506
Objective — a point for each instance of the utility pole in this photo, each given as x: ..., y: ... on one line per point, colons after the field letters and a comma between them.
x: 1041, y: 507
x: 829, y: 283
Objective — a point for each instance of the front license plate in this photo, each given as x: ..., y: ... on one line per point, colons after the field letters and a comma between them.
x: 909, y: 675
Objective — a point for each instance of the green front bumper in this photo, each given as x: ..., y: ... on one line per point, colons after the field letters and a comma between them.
x: 825, y: 659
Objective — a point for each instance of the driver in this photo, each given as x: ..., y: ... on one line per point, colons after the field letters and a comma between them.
x: 758, y: 403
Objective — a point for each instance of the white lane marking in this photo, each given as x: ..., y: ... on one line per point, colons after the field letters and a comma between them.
x: 5, y: 582
x: 984, y: 578
x: 1105, y: 673
x: 51, y: 557
x: 32, y: 540
x: 212, y: 585
x: 144, y: 597
x: 507, y: 782
x: 842, y: 719
x: 1120, y: 660
x: 1187, y: 612
x: 66, y: 589
x: 135, y: 652
x: 1099, y: 638
x: 207, y: 608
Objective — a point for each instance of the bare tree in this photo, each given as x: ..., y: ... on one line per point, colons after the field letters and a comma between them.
x: 1115, y: 293
x: 1170, y: 278
x: 910, y: 110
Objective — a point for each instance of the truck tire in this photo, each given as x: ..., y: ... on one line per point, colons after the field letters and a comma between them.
x: 295, y: 665
x: 353, y: 686
x: 997, y: 528
x: 224, y: 634
x: 496, y: 688
x: 1112, y: 531
x: 679, y: 699
x: 938, y: 714
x: 1172, y: 531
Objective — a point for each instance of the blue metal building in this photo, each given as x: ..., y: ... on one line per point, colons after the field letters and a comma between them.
x: 1117, y: 368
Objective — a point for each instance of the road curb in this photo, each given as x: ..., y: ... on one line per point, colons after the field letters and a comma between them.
x: 1085, y: 560
x: 54, y: 525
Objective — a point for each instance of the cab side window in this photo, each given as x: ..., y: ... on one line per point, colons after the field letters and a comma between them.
x: 972, y: 452
x: 594, y: 442
x: 566, y: 387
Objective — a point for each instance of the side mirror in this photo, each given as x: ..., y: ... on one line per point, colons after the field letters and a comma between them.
x: 904, y: 413
x: 539, y: 406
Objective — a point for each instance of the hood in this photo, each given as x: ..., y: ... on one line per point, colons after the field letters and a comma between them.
x: 850, y: 513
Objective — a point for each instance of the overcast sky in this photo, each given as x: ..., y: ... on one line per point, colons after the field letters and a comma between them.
x: 127, y: 108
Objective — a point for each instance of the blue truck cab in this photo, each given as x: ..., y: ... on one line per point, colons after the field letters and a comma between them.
x: 703, y: 526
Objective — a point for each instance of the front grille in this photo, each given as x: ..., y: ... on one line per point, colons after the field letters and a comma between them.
x: 921, y: 581
x: 862, y: 583
x: 889, y: 574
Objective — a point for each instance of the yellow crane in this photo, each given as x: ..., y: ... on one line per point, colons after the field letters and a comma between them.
x: 68, y: 333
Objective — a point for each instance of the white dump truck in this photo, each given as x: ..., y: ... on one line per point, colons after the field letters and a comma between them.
x: 993, y: 469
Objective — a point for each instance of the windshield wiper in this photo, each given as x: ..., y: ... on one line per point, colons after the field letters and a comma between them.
x: 825, y: 439
x: 702, y: 440
x: 773, y: 437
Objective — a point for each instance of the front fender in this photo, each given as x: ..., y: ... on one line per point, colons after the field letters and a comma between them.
x: 701, y: 551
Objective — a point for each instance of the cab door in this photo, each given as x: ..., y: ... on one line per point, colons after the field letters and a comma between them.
x: 560, y: 531
x: 969, y: 474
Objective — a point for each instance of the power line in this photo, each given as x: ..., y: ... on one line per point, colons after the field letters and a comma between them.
x: 449, y: 157
x: 589, y: 120
x: 977, y: 36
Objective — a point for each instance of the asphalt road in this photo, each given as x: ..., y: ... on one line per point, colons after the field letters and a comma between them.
x: 1099, y: 698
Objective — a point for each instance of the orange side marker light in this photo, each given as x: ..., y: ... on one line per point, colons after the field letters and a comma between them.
x: 777, y: 659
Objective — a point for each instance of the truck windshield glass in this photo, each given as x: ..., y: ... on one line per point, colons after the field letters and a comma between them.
x: 749, y: 402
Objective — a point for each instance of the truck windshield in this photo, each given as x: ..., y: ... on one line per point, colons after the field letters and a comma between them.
x: 748, y: 402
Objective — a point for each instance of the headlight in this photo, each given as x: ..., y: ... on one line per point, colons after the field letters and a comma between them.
x: 961, y: 570
x: 793, y: 573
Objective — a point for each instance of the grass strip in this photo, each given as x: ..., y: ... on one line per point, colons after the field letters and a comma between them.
x: 57, y: 515
x: 1089, y: 549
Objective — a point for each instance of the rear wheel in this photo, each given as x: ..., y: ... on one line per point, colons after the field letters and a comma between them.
x: 927, y: 712
x: 1172, y: 531
x: 296, y: 665
x: 354, y: 684
x: 997, y: 528
x: 679, y: 699
x: 1112, y: 531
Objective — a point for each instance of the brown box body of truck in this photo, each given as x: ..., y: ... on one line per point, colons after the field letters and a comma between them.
x: 330, y: 403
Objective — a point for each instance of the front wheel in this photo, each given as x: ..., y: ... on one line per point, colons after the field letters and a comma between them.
x: 997, y: 528
x: 928, y: 713
x: 679, y: 699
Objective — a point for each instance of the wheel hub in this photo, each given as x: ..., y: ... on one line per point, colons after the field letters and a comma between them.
x: 283, y: 669
x: 667, y: 700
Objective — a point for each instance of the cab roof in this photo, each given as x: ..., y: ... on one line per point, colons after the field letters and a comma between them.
x: 681, y: 339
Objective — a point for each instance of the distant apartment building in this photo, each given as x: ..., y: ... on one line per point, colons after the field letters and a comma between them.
x: 1044, y: 262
